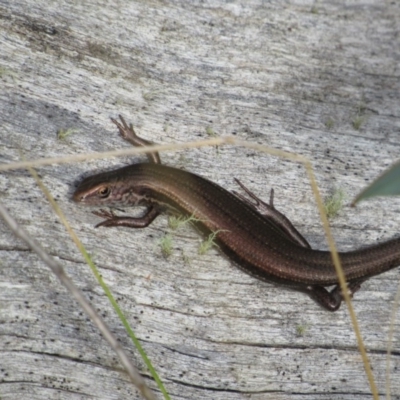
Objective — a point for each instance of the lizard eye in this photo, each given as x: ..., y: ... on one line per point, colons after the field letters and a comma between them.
x: 104, y: 192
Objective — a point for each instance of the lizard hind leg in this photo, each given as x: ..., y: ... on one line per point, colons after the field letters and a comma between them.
x: 269, y: 212
x: 331, y: 300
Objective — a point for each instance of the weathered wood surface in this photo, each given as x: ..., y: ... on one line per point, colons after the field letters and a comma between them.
x: 297, y: 76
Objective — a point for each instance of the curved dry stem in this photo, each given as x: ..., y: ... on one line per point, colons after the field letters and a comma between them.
x: 390, y: 340
x: 144, y: 390
x: 341, y: 278
x: 58, y: 270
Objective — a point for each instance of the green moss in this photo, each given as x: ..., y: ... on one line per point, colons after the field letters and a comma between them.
x: 301, y: 330
x: 334, y: 203
x: 166, y: 245
x: 177, y: 221
x: 329, y: 123
x: 210, y: 132
x: 63, y: 133
x: 357, y: 122
x: 208, y: 243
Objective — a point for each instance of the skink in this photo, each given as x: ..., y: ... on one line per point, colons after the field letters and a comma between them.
x: 257, y: 237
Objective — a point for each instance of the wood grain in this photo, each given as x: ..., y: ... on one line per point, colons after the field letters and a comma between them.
x: 321, y: 80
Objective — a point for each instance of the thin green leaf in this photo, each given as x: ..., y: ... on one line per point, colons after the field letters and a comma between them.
x: 388, y: 184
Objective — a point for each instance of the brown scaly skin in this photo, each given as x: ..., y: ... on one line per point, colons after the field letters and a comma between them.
x: 257, y: 237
